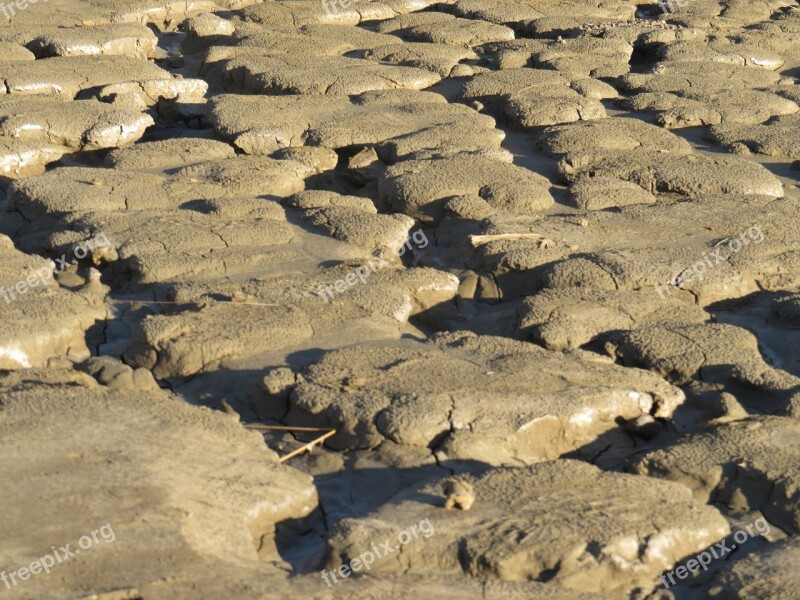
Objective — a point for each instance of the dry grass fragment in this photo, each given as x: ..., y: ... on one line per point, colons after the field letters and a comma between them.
x: 305, y: 447
x: 477, y: 240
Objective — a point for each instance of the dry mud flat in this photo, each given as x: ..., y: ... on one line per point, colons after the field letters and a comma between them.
x: 531, y: 270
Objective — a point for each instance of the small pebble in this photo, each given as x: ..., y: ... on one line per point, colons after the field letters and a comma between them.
x: 459, y: 494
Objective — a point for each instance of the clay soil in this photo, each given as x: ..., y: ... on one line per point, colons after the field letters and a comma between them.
x: 376, y: 299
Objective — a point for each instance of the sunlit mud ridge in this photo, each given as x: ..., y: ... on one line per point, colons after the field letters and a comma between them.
x: 367, y: 299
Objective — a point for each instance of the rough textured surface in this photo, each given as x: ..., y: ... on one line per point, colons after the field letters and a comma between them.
x: 18, y: 158
x: 511, y: 287
x: 747, y: 464
x: 82, y: 125
x: 777, y: 138
x: 537, y: 506
x: 397, y: 122
x: 419, y: 188
x: 336, y: 76
x: 67, y: 76
x: 666, y: 172
x: 186, y: 483
x: 772, y: 574
x: 41, y: 320
x: 168, y: 154
x: 567, y: 409
x: 611, y: 134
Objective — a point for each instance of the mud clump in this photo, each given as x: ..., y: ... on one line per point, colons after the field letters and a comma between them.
x: 460, y: 495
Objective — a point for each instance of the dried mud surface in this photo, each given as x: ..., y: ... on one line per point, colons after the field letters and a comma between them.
x: 386, y: 299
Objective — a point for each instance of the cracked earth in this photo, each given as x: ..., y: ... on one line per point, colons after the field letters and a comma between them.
x: 563, y: 255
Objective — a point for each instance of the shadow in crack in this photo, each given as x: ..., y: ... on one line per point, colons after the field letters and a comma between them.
x: 774, y: 318
x: 364, y: 482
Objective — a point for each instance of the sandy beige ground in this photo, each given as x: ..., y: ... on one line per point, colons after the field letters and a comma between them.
x: 530, y: 267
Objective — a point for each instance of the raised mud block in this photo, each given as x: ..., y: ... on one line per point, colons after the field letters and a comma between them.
x: 187, y: 494
x: 772, y: 573
x: 420, y: 188
x: 40, y: 319
x: 581, y: 528
x: 749, y: 464
x: 489, y: 399
x: 195, y: 341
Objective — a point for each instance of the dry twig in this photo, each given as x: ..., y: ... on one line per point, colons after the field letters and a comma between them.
x: 477, y: 240
x: 309, y: 446
x: 113, y: 300
x: 261, y: 427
